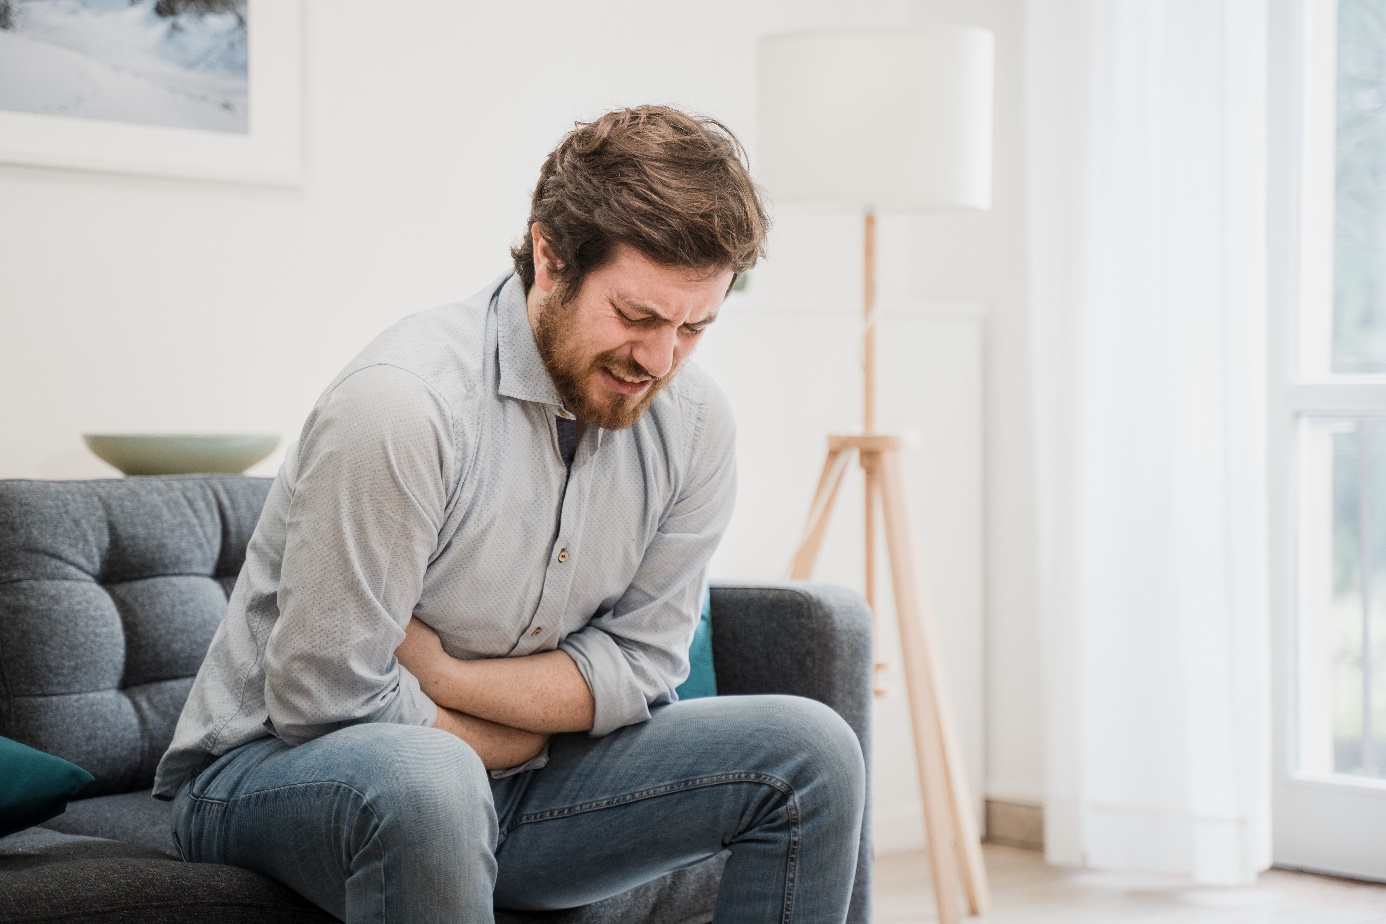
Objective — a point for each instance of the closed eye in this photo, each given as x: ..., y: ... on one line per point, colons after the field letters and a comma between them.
x: 643, y: 321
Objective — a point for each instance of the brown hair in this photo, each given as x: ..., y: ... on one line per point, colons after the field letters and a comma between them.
x: 675, y: 187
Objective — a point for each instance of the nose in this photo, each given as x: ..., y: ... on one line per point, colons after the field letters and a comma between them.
x: 655, y: 351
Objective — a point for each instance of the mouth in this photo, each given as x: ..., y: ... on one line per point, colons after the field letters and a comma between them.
x: 625, y: 384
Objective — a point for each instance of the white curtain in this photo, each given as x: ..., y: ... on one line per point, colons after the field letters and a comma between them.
x: 1146, y: 149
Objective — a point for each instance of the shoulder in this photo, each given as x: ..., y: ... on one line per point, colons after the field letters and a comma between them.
x: 446, y: 347
x: 694, y: 414
x: 410, y: 386
x: 380, y: 408
x: 709, y: 410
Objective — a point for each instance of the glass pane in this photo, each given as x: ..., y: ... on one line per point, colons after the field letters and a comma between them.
x: 1343, y: 598
x: 1359, y: 271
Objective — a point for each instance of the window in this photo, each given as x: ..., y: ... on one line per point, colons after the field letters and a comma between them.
x: 1336, y: 394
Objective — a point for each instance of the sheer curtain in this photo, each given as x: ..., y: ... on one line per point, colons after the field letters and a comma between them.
x: 1146, y: 149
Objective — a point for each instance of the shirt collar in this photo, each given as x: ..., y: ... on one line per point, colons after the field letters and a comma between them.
x: 522, y: 372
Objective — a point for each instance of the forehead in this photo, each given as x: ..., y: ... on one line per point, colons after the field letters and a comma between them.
x: 678, y: 293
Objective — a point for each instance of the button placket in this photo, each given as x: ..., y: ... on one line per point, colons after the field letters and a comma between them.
x: 558, y: 578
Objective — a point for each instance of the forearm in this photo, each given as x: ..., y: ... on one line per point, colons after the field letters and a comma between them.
x: 542, y: 693
x: 498, y: 746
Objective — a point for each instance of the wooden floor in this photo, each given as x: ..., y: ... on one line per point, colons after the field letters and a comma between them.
x: 1025, y: 890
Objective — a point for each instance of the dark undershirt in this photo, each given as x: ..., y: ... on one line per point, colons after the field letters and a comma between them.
x: 567, y: 439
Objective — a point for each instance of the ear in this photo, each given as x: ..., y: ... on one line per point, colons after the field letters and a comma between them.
x: 544, y: 260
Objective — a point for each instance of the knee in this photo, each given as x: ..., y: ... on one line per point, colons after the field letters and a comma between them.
x: 419, y: 779
x: 828, y: 754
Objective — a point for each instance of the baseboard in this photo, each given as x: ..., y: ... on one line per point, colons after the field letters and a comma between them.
x: 1015, y: 824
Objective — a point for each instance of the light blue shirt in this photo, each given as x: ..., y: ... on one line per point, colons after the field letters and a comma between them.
x: 427, y: 481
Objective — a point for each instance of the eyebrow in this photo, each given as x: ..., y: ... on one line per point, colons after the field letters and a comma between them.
x: 626, y: 304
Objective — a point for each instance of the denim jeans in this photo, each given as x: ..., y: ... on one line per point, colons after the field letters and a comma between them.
x: 393, y: 823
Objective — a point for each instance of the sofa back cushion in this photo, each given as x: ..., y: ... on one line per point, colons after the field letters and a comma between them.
x: 110, y: 592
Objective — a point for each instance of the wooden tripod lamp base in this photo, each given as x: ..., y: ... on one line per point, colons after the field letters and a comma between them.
x: 955, y: 850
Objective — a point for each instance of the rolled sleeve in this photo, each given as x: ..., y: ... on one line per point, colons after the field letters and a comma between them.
x: 368, y: 501
x: 635, y: 655
x: 619, y: 696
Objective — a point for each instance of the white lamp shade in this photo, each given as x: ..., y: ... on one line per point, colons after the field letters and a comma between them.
x: 878, y: 120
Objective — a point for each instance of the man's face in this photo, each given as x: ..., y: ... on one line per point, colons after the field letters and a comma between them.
x: 624, y: 335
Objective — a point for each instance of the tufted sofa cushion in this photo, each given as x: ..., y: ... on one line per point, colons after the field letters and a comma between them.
x: 110, y: 592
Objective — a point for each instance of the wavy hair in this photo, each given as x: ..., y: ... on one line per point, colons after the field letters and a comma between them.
x: 675, y: 187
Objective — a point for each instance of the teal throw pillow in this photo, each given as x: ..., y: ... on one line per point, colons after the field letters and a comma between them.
x: 37, y: 786
x: 702, y: 681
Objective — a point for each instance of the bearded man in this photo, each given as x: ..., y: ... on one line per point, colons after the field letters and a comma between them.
x: 446, y: 678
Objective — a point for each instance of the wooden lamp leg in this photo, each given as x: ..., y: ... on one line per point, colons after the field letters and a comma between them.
x: 834, y: 467
x: 930, y: 709
x: 924, y: 714
x: 869, y: 462
x: 955, y: 852
x: 869, y: 470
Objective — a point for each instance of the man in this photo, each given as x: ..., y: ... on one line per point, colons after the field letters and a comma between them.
x: 490, y: 539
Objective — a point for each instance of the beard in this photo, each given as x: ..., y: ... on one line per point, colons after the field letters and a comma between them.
x: 573, y: 371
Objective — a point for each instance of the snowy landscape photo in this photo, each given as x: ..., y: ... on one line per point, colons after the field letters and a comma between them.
x: 176, y: 63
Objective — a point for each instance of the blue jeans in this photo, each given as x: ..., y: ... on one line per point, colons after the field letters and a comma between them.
x: 393, y: 823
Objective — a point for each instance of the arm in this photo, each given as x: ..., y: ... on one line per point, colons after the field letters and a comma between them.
x: 542, y: 693
x: 368, y: 482
x: 498, y: 746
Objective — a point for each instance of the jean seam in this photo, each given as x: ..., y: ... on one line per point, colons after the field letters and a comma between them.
x: 791, y: 876
x: 256, y: 792
x: 791, y: 871
x: 698, y: 782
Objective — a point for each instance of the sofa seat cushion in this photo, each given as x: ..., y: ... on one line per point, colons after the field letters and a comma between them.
x: 48, y: 875
x: 132, y: 817
x: 51, y: 876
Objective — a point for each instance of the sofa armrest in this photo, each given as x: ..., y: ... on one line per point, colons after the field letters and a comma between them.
x: 812, y: 640
x: 804, y: 639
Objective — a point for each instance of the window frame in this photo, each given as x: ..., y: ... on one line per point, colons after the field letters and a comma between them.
x: 1301, y: 177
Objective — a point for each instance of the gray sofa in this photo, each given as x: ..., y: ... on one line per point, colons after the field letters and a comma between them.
x: 110, y: 592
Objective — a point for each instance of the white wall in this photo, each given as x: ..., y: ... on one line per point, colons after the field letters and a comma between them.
x: 145, y: 304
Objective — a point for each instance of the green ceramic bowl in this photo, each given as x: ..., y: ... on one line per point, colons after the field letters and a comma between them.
x: 177, y: 454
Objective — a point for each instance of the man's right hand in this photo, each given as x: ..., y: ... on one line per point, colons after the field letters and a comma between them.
x: 498, y: 746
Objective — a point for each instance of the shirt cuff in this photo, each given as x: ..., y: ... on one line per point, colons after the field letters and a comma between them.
x: 616, y: 696
x: 534, y: 763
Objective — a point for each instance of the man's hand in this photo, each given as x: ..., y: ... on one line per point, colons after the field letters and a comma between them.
x: 542, y: 693
x: 498, y: 746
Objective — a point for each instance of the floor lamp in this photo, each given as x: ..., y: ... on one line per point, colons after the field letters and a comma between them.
x: 897, y: 120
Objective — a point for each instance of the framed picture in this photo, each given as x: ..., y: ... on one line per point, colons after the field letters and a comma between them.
x: 209, y: 89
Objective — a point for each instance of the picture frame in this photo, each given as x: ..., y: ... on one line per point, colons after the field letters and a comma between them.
x: 270, y: 152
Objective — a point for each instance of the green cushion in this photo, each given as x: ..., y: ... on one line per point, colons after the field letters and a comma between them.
x: 37, y: 786
x: 702, y: 680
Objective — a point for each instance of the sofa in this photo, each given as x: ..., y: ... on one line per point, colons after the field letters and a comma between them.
x: 110, y: 592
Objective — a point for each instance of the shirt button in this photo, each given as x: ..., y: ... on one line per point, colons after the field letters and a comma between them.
x: 562, y: 555
x: 538, y: 630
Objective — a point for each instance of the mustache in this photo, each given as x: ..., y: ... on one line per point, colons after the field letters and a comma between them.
x: 627, y: 367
